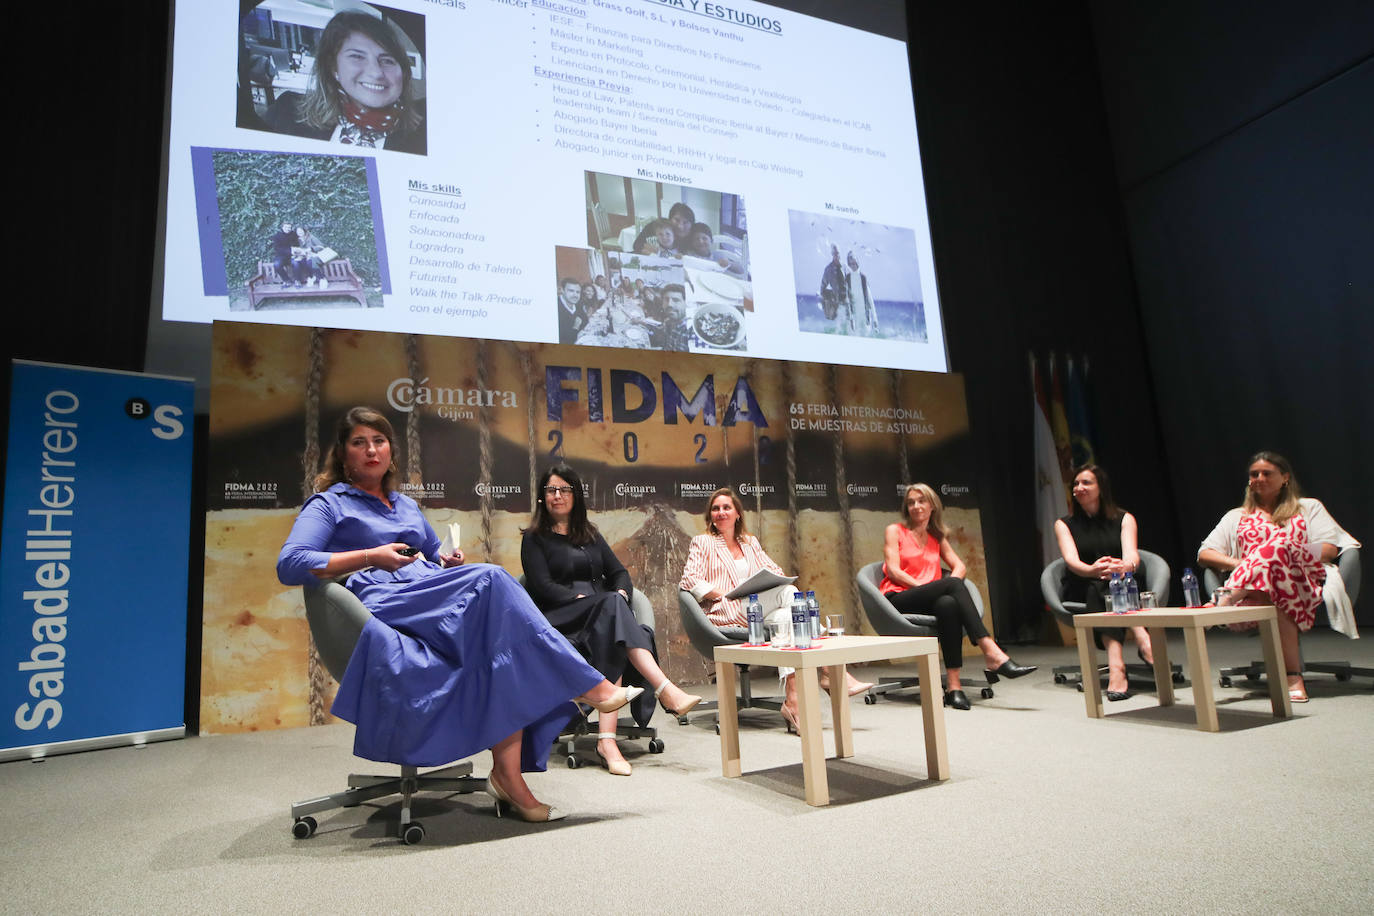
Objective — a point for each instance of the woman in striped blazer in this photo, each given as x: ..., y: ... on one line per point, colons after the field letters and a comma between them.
x: 720, y: 560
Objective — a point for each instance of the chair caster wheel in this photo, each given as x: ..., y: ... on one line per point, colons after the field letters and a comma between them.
x: 655, y: 745
x: 1177, y: 677
x: 1061, y: 678
x: 573, y: 762
x: 717, y: 728
x: 870, y: 699
x: 304, y: 828
x: 413, y: 834
x: 1079, y: 686
x: 987, y: 693
x: 1225, y: 681
x: 683, y: 720
x: 1343, y: 676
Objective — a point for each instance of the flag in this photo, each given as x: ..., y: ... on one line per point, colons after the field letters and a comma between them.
x: 1059, y: 424
x: 1051, y: 499
x: 1080, y: 429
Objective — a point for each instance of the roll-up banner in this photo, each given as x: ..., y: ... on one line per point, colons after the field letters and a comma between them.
x: 819, y: 454
x: 93, y: 560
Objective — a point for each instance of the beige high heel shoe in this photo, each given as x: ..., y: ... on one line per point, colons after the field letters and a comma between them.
x: 614, y: 767
x: 686, y: 706
x: 618, y: 699
x: 536, y: 815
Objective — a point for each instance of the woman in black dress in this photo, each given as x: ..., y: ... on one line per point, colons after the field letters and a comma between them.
x: 584, y: 591
x: 1097, y: 539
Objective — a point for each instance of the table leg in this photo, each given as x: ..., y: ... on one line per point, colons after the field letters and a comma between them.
x: 933, y: 717
x: 1164, y: 676
x: 839, y: 713
x: 1275, y: 672
x: 813, y: 747
x: 1087, y: 663
x: 1199, y: 669
x: 728, y: 719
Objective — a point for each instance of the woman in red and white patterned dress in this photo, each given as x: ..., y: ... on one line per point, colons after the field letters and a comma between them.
x: 1272, y: 549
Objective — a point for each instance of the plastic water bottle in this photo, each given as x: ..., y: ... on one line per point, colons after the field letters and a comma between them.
x: 1117, y: 589
x: 813, y: 611
x: 754, y: 612
x: 1191, y: 596
x: 1132, y: 593
x: 801, y: 623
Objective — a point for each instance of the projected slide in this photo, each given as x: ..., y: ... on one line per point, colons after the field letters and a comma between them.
x: 651, y: 174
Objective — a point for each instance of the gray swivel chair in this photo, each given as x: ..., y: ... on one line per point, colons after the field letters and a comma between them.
x: 704, y: 637
x: 886, y: 620
x: 336, y: 619
x: 566, y: 745
x: 1156, y: 580
x: 1348, y: 563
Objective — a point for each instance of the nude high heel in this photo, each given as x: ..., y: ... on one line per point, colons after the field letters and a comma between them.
x: 618, y: 699
x: 687, y: 705
x: 536, y: 815
x: 614, y: 767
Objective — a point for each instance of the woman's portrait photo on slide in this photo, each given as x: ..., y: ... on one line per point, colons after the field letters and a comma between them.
x: 344, y: 72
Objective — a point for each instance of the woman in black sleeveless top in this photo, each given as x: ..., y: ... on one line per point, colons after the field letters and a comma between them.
x: 1097, y: 539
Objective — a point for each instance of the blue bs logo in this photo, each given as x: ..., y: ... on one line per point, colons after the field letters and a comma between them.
x: 167, y: 425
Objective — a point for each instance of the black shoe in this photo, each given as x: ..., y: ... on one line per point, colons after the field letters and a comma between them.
x: 1008, y: 669
x: 1116, y: 695
x: 957, y: 699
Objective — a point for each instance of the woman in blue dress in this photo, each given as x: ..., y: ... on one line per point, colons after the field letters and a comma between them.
x: 455, y: 658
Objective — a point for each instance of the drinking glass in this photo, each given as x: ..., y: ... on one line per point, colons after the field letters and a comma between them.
x: 1221, y: 597
x: 1147, y: 600
x: 780, y: 635
x: 834, y: 624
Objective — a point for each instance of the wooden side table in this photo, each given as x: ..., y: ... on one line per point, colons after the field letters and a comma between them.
x: 1194, y: 622
x: 833, y: 653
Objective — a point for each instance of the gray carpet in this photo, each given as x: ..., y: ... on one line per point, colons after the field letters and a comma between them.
x: 1047, y: 811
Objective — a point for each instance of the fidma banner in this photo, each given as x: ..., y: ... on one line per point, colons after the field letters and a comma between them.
x: 93, y: 559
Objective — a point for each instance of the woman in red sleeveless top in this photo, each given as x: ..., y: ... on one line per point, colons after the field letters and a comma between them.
x: 913, y: 583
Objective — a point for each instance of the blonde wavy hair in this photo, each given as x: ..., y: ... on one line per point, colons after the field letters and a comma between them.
x: 936, y: 525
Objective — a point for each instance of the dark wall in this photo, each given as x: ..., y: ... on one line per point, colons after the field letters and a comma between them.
x: 1245, y: 149
x: 1031, y: 254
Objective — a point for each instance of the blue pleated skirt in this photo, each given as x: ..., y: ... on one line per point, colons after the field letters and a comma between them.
x: 453, y: 661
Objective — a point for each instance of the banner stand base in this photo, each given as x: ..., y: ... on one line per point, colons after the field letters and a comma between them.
x: 131, y: 739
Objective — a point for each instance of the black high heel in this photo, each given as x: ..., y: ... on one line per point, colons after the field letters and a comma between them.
x: 957, y: 699
x: 1008, y: 669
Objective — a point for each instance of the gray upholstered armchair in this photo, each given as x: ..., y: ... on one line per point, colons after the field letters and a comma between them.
x: 336, y: 618
x: 886, y: 620
x: 704, y: 637
x: 1051, y: 589
x: 1348, y: 563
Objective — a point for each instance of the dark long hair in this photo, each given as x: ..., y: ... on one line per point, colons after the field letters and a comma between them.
x: 580, y: 530
x: 320, y: 105
x: 332, y: 469
x: 1106, y: 505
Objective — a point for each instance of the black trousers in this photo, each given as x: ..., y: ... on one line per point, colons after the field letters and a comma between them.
x: 949, y: 602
